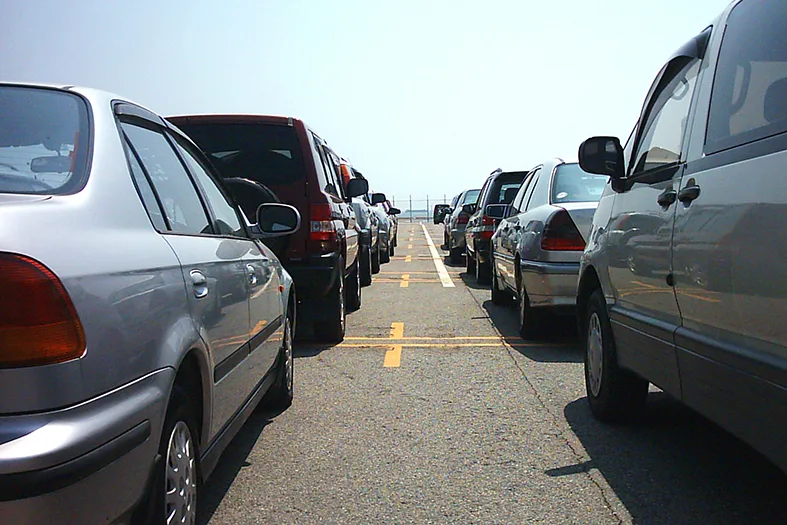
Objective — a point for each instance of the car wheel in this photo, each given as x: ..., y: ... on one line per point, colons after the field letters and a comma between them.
x: 482, y: 272
x: 281, y: 393
x: 353, y: 288
x: 332, y: 330
x: 455, y: 255
x: 613, y: 393
x: 469, y: 263
x: 499, y: 296
x: 531, y: 320
x: 366, y: 266
x: 385, y: 255
x: 174, y: 493
x: 376, y: 259
x: 391, y: 249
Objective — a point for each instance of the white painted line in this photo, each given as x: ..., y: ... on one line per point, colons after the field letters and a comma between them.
x: 438, y: 261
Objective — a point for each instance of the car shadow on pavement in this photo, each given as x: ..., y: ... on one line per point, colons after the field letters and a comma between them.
x: 232, y: 461
x: 672, y: 465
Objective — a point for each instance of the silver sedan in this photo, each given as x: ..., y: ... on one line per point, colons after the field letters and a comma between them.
x: 141, y: 318
x: 537, y: 245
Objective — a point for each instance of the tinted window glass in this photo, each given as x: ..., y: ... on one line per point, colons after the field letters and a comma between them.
x: 43, y: 141
x: 517, y: 205
x: 749, y: 97
x: 146, y: 193
x: 470, y: 197
x: 227, y: 221
x: 662, y: 137
x: 531, y: 189
x: 504, y: 188
x: 266, y: 153
x: 182, y: 205
x: 572, y: 184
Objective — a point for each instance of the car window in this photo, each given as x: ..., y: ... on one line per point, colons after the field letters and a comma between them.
x: 331, y: 185
x: 662, y: 137
x: 227, y: 220
x: 44, y: 141
x: 531, y: 189
x: 517, y: 205
x: 146, y: 193
x: 572, y: 184
x: 504, y: 188
x: 182, y: 205
x: 470, y: 197
x: 749, y: 96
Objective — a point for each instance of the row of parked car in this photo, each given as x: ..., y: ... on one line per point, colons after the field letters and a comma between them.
x: 149, y: 269
x: 671, y: 250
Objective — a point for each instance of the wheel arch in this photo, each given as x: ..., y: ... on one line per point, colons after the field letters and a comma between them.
x: 589, y: 282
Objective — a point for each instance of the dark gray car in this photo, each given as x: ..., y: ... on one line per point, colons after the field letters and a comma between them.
x: 141, y: 318
x: 684, y: 279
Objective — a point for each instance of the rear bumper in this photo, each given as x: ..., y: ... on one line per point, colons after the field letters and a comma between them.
x: 315, y: 276
x: 550, y: 284
x: 365, y: 238
x: 457, y: 238
x: 85, y: 464
x: 481, y: 250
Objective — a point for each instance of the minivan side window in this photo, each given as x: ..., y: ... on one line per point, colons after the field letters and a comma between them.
x: 661, y: 139
x: 182, y: 205
x: 749, y: 96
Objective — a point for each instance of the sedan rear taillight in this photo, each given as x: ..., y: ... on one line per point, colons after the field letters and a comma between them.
x: 38, y: 322
x: 561, y: 234
x: 463, y: 218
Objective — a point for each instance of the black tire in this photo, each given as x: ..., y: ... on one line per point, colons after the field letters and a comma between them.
x: 614, y: 394
x: 281, y: 393
x: 179, y: 418
x: 499, y: 297
x: 365, y: 258
x: 391, y: 249
x: 482, y: 272
x: 531, y: 320
x: 332, y: 330
x: 455, y: 255
x: 469, y: 263
x: 385, y: 256
x: 353, y: 288
x: 376, y: 258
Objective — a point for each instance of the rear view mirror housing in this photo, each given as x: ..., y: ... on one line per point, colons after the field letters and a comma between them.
x: 603, y: 156
x: 378, y: 198
x: 276, y: 220
x: 496, y: 211
x: 469, y: 208
x: 357, y: 187
x: 394, y: 211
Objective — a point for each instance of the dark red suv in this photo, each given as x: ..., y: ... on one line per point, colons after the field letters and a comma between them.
x: 291, y: 160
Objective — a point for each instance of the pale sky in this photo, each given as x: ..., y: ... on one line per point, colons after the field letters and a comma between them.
x: 423, y: 97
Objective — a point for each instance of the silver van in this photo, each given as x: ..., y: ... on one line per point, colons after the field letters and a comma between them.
x: 683, y: 282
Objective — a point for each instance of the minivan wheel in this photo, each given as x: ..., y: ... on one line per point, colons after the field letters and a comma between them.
x: 385, y: 256
x: 613, y: 393
x: 391, y: 249
x: 455, y: 255
x: 354, y: 288
x: 469, y: 263
x: 365, y: 258
x: 281, y: 393
x: 531, y: 320
x: 482, y: 272
x: 332, y: 330
x: 376, y: 258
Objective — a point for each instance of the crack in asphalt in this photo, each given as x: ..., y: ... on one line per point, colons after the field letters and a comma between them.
x: 580, y: 458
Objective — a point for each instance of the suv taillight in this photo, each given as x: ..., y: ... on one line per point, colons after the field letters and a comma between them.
x: 561, y: 234
x: 463, y: 218
x: 38, y: 322
x: 321, y: 225
x: 487, y: 228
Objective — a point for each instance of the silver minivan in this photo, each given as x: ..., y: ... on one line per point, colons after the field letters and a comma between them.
x: 141, y: 318
x: 683, y: 282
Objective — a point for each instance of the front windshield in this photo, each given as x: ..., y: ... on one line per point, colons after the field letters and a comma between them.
x: 43, y: 141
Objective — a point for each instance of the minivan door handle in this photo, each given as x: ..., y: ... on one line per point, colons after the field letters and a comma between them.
x: 199, y: 283
x: 667, y: 197
x: 689, y: 193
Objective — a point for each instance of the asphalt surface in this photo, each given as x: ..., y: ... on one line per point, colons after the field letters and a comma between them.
x: 433, y: 410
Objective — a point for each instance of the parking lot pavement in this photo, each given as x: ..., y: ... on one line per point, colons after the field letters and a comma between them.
x: 432, y: 410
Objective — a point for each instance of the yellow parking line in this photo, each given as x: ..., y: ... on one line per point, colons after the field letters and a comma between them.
x: 393, y: 357
x: 409, y: 246
x: 408, y: 258
x: 405, y: 281
x: 398, y: 348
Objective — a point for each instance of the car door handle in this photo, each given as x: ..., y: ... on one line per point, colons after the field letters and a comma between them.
x: 689, y: 193
x: 199, y: 283
x: 252, y: 275
x: 667, y: 197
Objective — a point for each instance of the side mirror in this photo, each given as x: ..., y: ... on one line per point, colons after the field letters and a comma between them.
x: 602, y: 156
x: 469, y: 208
x: 394, y: 211
x: 52, y: 164
x: 276, y: 220
x: 496, y: 211
x: 378, y: 198
x: 356, y: 187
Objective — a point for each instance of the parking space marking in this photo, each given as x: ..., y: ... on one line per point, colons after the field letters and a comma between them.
x: 393, y: 357
x: 409, y: 246
x: 405, y: 281
x: 408, y: 258
x: 376, y: 280
x: 438, y: 261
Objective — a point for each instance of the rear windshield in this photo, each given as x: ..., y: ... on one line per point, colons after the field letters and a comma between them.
x: 266, y: 153
x: 470, y: 197
x: 504, y: 188
x: 43, y: 141
x: 571, y: 184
